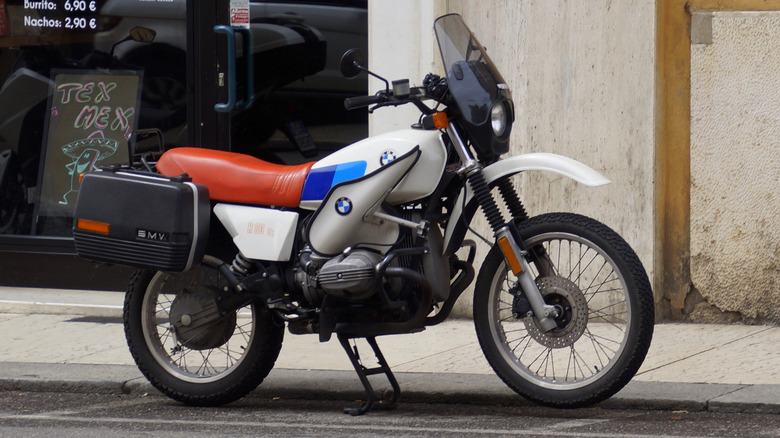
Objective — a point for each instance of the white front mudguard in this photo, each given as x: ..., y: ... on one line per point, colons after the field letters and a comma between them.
x: 519, y: 163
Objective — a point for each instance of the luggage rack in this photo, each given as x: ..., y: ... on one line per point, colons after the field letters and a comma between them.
x: 144, y: 160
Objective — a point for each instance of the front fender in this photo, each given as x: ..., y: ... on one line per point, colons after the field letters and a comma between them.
x: 548, y: 162
x: 565, y: 166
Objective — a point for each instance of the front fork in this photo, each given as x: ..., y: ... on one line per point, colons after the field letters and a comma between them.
x: 506, y: 235
x: 515, y: 256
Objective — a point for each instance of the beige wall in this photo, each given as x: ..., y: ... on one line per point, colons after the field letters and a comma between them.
x: 581, y: 75
x: 735, y: 167
x: 401, y: 46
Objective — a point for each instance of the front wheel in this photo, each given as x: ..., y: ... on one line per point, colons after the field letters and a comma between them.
x: 187, y: 348
x: 605, y: 304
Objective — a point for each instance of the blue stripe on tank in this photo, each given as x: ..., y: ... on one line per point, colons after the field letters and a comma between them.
x: 319, y: 181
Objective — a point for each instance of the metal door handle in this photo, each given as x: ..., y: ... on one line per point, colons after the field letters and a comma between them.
x: 231, y: 68
x: 232, y: 102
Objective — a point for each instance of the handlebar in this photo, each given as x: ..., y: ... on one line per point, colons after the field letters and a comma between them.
x: 382, y: 98
x: 351, y: 103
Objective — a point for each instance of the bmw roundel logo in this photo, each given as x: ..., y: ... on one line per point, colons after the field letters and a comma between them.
x: 387, y: 157
x: 343, y: 206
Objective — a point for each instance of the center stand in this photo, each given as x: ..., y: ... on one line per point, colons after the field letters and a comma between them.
x: 363, y: 374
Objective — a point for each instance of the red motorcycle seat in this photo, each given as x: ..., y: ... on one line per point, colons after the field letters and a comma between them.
x: 238, y: 178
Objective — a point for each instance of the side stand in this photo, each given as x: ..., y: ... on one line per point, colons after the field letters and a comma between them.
x: 363, y: 374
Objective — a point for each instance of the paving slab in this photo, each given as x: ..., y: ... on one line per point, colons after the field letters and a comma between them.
x: 60, y: 301
x: 61, y: 339
x: 712, y: 353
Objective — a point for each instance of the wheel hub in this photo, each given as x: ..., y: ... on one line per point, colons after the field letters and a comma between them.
x: 572, y: 313
x: 197, y: 321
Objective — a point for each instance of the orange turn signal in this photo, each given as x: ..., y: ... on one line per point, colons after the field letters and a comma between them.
x: 440, y: 120
x: 509, y: 255
x: 88, y: 225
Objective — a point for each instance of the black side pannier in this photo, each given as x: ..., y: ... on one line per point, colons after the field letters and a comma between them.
x: 141, y: 219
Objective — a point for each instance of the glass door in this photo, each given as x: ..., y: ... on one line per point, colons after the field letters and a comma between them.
x: 77, y: 77
x: 265, y: 76
x: 211, y: 43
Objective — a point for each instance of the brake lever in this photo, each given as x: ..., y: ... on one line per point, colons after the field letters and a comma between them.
x: 416, y: 97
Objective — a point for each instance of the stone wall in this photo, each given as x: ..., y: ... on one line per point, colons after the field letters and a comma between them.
x: 735, y: 168
x: 582, y: 78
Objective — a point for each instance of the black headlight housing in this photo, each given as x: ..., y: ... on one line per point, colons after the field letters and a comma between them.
x: 491, y: 138
x: 485, y: 105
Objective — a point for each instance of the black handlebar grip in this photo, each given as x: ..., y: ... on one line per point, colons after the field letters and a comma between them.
x: 362, y: 101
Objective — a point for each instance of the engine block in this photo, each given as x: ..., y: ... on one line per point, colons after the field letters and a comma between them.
x: 351, y: 276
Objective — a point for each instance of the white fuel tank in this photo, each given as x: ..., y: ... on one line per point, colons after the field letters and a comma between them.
x: 367, y: 156
x: 347, y: 218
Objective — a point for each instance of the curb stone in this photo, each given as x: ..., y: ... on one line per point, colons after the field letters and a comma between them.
x: 451, y: 388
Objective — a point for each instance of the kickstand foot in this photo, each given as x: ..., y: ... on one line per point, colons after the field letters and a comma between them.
x: 363, y: 374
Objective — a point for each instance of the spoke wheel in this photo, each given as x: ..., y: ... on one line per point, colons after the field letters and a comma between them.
x: 605, y: 307
x: 185, y: 347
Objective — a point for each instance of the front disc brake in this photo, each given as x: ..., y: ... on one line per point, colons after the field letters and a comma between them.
x: 573, y: 309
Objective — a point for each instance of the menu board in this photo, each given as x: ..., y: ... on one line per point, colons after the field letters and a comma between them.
x: 31, y: 17
x: 91, y: 116
x: 78, y: 14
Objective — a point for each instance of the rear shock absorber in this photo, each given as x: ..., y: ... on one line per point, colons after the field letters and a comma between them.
x: 241, y: 266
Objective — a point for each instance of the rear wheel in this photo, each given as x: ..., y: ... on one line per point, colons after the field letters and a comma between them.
x: 606, y: 312
x: 189, y: 351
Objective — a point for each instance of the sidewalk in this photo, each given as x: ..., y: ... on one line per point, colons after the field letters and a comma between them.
x: 74, y: 340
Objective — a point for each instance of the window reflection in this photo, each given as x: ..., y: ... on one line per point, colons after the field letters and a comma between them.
x: 53, y: 49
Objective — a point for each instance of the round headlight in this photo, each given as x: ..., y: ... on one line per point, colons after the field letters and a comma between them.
x: 498, y: 119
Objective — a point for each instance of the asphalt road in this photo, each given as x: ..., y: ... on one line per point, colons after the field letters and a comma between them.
x: 83, y: 415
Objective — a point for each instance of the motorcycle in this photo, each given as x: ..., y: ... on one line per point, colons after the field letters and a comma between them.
x: 365, y: 243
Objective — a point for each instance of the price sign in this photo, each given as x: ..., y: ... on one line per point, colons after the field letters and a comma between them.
x: 76, y: 15
x: 80, y: 23
x: 81, y: 5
